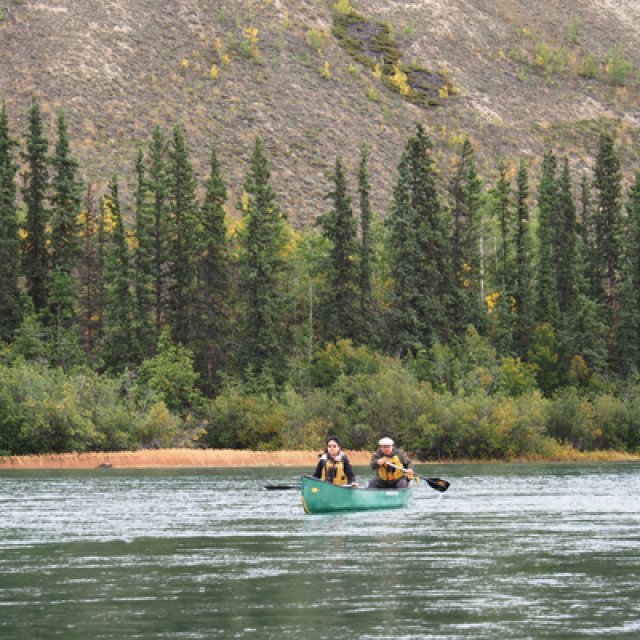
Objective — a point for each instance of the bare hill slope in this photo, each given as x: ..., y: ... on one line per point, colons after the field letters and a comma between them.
x: 524, y: 75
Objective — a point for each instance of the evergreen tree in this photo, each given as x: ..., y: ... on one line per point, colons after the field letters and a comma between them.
x: 182, y: 247
x: 524, y: 322
x: 547, y: 299
x: 468, y: 305
x: 159, y: 228
x: 262, y: 244
x: 10, y: 302
x: 66, y: 202
x: 214, y: 303
x: 367, y: 257
x: 587, y: 238
x: 566, y: 244
x: 420, y: 253
x: 502, y: 329
x: 34, y: 193
x: 119, y: 349
x: 628, y: 335
x: 144, y: 263
x: 339, y: 227
x: 90, y: 275
x: 608, y: 186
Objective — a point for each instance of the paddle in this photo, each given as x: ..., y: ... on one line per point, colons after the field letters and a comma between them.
x: 281, y: 487
x: 435, y: 483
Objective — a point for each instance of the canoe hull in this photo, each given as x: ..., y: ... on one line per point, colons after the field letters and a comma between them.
x: 321, y: 497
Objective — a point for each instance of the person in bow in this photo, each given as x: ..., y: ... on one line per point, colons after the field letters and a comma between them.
x: 392, y: 466
x: 334, y: 466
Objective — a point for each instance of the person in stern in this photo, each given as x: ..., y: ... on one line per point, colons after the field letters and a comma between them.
x: 392, y: 467
x: 334, y: 466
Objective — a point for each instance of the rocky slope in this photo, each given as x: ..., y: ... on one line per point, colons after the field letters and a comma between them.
x: 527, y: 75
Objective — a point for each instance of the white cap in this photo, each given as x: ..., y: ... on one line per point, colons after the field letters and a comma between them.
x: 384, y: 441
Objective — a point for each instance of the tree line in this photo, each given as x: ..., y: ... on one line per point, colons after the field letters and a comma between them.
x: 223, y: 329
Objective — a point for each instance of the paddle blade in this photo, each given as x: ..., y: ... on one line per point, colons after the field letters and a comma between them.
x: 438, y: 484
x: 281, y: 487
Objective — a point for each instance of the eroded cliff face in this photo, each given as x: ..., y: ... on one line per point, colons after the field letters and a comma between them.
x: 524, y: 76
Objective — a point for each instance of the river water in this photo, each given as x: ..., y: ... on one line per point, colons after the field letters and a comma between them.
x: 509, y: 552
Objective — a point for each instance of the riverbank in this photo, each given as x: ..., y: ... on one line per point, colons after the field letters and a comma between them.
x: 168, y: 458
x: 173, y: 458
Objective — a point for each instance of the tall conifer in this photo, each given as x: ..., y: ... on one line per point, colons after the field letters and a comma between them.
x: 119, y: 349
x: 465, y: 190
x: 214, y: 291
x: 10, y: 303
x: 183, y: 251
x: 262, y: 244
x: 159, y: 226
x: 367, y: 256
x: 607, y: 222
x: 420, y: 253
x: 34, y: 193
x: 66, y: 202
x: 341, y: 309
x: 547, y: 298
x: 523, y: 277
x: 143, y: 260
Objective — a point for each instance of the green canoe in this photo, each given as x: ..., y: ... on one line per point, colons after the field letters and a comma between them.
x: 322, y: 497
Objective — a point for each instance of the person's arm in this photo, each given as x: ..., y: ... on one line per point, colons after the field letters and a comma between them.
x: 374, y: 460
x: 318, y: 472
x: 348, y: 470
x: 406, y: 463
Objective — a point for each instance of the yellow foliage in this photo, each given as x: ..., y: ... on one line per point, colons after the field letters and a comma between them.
x: 251, y: 33
x: 343, y: 6
x: 443, y: 92
x: 225, y: 59
x: 399, y: 79
x: 185, y: 63
x: 214, y: 71
x: 326, y: 72
x: 244, y: 201
x: 377, y: 71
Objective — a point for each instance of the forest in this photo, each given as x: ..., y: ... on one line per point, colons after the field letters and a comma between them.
x: 475, y: 318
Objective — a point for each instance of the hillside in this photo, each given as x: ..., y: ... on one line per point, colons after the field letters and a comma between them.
x: 524, y: 75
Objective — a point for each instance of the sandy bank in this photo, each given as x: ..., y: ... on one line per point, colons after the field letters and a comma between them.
x: 174, y: 458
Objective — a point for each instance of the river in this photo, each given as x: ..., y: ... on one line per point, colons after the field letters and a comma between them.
x: 510, y: 551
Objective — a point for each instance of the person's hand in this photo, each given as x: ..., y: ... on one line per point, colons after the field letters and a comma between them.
x: 410, y: 474
x: 355, y: 485
x: 381, y: 462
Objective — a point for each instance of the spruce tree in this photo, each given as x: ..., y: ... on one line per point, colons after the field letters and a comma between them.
x: 547, y: 298
x: 503, y: 336
x: 420, y: 250
x: 119, y: 347
x: 607, y: 223
x: 90, y: 275
x: 367, y: 256
x: 465, y: 190
x: 628, y: 334
x: 262, y: 244
x: 66, y: 202
x: 214, y: 292
x: 524, y: 322
x: 183, y: 251
x: 159, y: 227
x: 566, y: 239
x: 10, y: 302
x: 144, y: 262
x: 34, y: 193
x: 341, y: 308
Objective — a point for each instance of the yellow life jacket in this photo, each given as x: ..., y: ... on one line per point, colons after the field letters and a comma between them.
x: 333, y: 470
x: 388, y: 474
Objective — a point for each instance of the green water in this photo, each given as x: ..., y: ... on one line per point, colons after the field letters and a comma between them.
x: 510, y: 551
